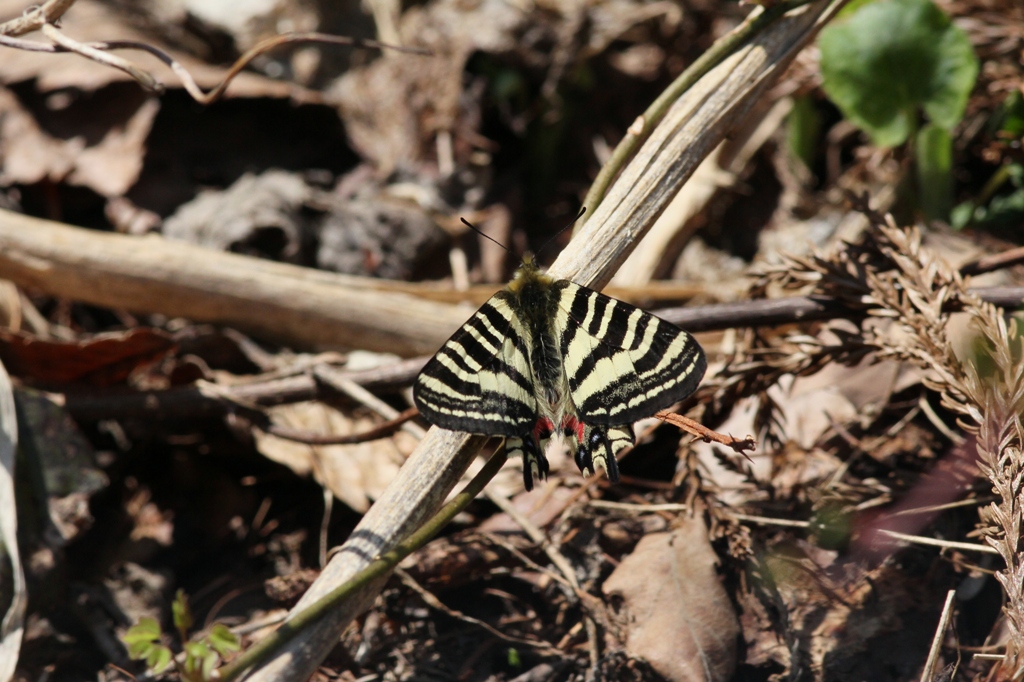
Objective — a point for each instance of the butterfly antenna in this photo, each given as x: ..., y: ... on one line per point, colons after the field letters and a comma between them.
x: 474, y: 228
x: 583, y: 209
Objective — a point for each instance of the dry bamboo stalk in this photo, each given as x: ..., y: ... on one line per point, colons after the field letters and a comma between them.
x: 694, y: 126
x: 298, y: 306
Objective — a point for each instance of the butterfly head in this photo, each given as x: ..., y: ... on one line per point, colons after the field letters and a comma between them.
x: 528, y: 276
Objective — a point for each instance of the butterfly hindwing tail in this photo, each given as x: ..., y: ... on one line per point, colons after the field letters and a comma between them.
x: 535, y: 464
x: 600, y: 447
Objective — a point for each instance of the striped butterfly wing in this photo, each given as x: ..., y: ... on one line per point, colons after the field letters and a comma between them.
x: 480, y: 380
x: 623, y: 364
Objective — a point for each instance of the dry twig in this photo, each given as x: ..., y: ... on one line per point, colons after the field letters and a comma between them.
x: 697, y: 429
x: 43, y: 18
x: 558, y: 559
x: 35, y: 17
x: 384, y: 430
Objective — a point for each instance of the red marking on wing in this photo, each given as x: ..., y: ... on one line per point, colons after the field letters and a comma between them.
x: 543, y: 428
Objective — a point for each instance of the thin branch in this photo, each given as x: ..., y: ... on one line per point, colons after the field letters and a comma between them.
x: 538, y: 537
x: 558, y: 559
x: 707, y: 435
x: 99, y: 52
x: 431, y: 600
x: 145, y: 79
x: 972, y: 502
x: 940, y: 633
x: 935, y: 542
x: 770, y: 521
x: 915, y: 539
x: 497, y: 539
x: 29, y: 45
x: 35, y: 17
x: 793, y: 309
x: 194, y: 402
x: 384, y: 430
x: 639, y: 508
x: 342, y: 383
x: 260, y: 48
x: 996, y: 261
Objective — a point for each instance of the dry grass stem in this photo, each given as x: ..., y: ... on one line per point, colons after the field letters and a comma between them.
x: 934, y: 542
x: 940, y: 632
x: 558, y: 559
x: 639, y: 508
x: 384, y: 430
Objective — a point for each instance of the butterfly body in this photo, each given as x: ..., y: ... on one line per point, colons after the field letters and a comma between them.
x: 548, y: 358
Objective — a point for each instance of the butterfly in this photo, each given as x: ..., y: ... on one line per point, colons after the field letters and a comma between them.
x: 548, y: 358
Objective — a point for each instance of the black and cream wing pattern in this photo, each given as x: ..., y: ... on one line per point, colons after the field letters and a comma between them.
x: 548, y: 358
x: 480, y: 380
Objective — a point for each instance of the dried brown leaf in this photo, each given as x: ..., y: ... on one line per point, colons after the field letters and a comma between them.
x: 677, y: 616
x: 103, y: 360
x: 355, y: 474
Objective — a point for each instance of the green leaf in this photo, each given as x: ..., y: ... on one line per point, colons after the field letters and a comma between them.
x: 195, y: 653
x: 223, y: 640
x: 935, y: 171
x: 962, y: 215
x: 893, y: 58
x: 140, y: 650
x: 143, y: 640
x: 182, y: 613
x: 147, y: 630
x: 851, y: 8
x: 990, y: 211
x: 209, y: 663
x: 831, y: 527
x: 158, y: 659
x: 954, y: 74
x: 199, y: 658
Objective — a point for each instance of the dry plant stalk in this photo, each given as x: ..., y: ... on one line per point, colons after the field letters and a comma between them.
x: 896, y: 278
